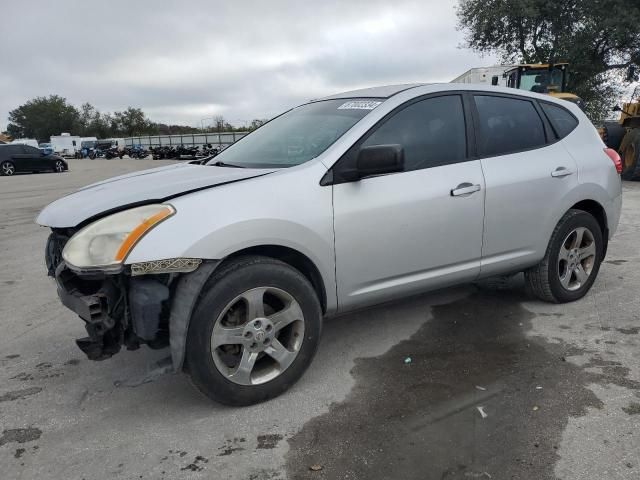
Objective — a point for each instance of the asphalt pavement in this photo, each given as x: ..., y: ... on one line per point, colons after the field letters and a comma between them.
x: 475, y: 382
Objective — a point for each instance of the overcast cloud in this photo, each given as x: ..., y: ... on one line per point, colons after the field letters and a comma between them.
x: 184, y: 61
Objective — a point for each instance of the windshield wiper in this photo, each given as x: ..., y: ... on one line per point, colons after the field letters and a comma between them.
x: 220, y: 163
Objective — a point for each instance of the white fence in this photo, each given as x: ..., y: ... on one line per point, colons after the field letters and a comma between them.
x: 190, y: 139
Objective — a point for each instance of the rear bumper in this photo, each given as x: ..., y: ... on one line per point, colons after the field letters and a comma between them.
x: 613, y: 215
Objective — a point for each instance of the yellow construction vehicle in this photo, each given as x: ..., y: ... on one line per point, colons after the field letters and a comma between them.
x: 623, y: 136
x: 550, y: 78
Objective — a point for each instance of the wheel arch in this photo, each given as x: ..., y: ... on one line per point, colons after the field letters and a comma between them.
x: 600, y: 214
x: 189, y: 287
x: 292, y: 257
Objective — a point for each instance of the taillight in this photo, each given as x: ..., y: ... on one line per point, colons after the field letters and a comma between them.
x: 615, y: 158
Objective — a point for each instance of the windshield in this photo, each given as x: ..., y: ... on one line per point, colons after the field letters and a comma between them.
x: 541, y: 80
x: 297, y: 136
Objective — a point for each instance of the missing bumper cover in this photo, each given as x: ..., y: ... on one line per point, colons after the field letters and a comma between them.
x: 99, y: 302
x: 117, y: 311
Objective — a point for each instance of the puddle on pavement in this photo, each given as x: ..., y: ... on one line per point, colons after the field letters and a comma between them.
x: 420, y: 419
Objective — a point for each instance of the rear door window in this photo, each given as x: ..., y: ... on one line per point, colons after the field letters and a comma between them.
x: 562, y: 121
x: 507, y: 125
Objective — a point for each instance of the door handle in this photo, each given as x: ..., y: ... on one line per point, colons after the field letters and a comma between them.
x: 465, y: 189
x: 561, y: 172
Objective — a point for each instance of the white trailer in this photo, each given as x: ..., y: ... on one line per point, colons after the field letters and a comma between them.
x: 65, y: 144
x: 26, y: 141
x: 89, y: 142
x: 485, y: 75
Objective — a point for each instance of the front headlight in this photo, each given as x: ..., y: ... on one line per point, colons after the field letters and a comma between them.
x: 104, y: 244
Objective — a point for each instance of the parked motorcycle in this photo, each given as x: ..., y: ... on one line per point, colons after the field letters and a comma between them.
x: 113, y: 152
x: 137, y: 151
x: 161, y: 153
x: 183, y: 151
x: 209, y: 151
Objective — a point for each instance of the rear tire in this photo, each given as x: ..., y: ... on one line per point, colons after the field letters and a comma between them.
x: 630, y: 154
x: 227, y: 331
x: 613, y: 134
x: 571, y: 262
x: 7, y: 168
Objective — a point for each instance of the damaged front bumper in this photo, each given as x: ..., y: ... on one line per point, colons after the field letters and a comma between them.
x: 117, y: 310
x: 145, y: 303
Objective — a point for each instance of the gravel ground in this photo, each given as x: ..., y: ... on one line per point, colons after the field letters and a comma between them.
x: 558, y: 385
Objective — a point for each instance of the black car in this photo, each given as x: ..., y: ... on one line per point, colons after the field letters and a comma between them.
x: 24, y: 158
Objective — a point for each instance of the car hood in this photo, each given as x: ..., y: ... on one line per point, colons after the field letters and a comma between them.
x: 146, y: 186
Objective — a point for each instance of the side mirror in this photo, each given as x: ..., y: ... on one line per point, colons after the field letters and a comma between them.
x: 379, y: 160
x: 494, y: 80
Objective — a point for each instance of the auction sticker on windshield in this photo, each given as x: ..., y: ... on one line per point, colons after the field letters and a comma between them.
x: 359, y: 105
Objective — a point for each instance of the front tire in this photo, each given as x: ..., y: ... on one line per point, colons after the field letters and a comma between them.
x: 254, y: 331
x: 59, y: 166
x: 571, y: 262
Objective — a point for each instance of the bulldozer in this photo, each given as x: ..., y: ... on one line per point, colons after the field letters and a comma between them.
x: 623, y: 136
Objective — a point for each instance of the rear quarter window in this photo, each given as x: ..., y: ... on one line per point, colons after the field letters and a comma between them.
x: 507, y: 125
x: 562, y: 121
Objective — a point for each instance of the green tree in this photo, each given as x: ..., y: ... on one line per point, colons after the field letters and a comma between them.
x: 86, y: 120
x: 133, y: 122
x: 599, y: 38
x: 42, y: 117
x: 103, y: 126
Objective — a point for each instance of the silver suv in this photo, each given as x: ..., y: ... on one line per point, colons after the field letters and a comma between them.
x: 340, y: 203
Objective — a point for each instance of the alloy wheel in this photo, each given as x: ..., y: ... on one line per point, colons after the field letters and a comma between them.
x: 576, y: 258
x: 257, y: 336
x: 8, y: 168
x: 59, y: 166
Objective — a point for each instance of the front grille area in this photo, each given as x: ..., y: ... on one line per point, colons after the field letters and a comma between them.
x: 53, y: 251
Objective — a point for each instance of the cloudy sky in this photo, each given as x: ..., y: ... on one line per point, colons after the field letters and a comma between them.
x: 184, y: 61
